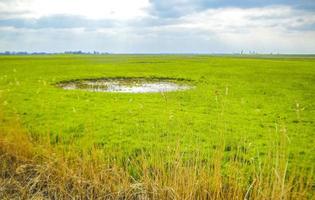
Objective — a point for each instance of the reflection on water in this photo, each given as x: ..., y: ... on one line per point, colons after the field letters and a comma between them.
x: 135, y: 85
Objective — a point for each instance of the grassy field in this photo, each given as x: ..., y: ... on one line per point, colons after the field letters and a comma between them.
x: 245, y: 118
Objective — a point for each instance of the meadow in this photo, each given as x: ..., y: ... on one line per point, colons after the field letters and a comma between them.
x: 244, y: 131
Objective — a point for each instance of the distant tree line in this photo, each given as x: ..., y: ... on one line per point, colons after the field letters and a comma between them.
x: 45, y: 53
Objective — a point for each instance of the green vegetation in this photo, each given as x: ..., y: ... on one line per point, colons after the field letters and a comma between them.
x: 244, y: 113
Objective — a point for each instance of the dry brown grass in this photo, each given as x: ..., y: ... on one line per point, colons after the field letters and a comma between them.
x: 37, y: 170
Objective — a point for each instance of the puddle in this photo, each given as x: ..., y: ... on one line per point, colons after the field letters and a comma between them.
x: 127, y: 85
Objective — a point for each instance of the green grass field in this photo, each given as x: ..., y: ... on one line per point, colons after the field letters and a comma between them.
x: 243, y: 104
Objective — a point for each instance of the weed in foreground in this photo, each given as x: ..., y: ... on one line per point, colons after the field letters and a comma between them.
x: 32, y: 170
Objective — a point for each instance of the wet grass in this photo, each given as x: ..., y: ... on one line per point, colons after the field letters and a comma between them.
x: 245, y: 130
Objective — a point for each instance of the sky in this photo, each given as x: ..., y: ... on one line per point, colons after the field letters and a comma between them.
x: 158, y: 26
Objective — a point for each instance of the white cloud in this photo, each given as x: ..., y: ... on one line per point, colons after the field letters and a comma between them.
x: 237, y: 19
x: 94, y: 9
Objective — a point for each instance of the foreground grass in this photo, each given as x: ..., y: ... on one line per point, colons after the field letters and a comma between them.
x: 31, y: 170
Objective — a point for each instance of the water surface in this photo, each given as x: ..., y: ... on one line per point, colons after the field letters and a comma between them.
x: 130, y: 85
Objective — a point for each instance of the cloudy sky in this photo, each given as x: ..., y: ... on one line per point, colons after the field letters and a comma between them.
x: 158, y: 26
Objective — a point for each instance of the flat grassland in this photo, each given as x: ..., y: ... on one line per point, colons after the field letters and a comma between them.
x: 246, y: 129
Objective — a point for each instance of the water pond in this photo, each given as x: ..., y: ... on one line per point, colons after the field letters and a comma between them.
x: 127, y: 85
